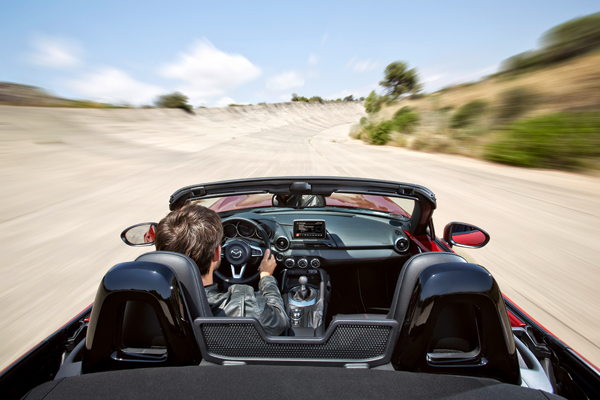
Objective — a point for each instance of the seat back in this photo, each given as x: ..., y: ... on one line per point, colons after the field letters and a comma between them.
x: 188, y: 275
x: 452, y: 320
x: 143, y: 312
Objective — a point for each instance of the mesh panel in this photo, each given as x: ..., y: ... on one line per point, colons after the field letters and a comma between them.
x: 348, y: 342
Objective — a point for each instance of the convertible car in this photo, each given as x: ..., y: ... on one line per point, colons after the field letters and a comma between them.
x: 378, y: 307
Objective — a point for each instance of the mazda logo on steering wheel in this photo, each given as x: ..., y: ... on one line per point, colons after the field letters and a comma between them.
x: 235, y: 253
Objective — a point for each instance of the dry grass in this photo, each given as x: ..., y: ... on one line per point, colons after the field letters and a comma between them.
x: 569, y: 86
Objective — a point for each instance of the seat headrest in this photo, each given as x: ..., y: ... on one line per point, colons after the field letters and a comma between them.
x: 435, y: 296
x: 188, y: 274
x: 409, y: 275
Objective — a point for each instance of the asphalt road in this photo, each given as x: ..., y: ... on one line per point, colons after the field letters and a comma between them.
x: 73, y: 179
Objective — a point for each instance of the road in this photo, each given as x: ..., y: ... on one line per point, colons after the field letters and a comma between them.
x: 73, y: 179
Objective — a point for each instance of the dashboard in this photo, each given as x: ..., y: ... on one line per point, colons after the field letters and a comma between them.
x: 314, y: 239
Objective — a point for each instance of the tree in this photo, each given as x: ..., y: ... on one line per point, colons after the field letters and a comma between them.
x: 399, y: 79
x: 316, y: 98
x: 295, y: 97
x: 349, y: 98
x: 372, y: 103
x: 173, y: 100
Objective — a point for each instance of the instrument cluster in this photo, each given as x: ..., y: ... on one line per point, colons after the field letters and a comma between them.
x: 245, y: 230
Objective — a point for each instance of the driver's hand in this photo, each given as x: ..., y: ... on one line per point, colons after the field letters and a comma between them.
x: 267, y: 265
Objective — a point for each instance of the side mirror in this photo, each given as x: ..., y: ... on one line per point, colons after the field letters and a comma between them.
x: 140, y: 234
x: 465, y: 235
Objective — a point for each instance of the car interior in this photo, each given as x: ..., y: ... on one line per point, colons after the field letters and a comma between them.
x: 360, y: 293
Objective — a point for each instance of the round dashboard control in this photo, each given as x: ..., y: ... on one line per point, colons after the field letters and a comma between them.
x: 315, y: 263
x: 279, y: 257
x: 282, y: 243
x: 303, y: 263
x: 401, y: 244
x: 289, y: 263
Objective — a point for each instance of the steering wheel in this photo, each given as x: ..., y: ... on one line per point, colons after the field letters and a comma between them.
x: 238, y: 253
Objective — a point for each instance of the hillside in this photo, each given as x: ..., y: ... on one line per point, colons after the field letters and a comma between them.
x: 24, y: 95
x: 569, y: 86
x: 567, y: 91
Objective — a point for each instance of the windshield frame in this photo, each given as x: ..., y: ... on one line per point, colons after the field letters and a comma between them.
x: 425, y: 201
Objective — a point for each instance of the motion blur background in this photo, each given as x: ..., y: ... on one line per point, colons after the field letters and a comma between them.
x: 106, y: 110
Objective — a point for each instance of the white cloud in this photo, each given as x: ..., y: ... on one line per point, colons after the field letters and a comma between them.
x: 313, y: 59
x: 324, y: 38
x: 285, y: 81
x: 488, y: 70
x: 361, y: 65
x: 224, y: 102
x: 433, y: 78
x: 438, y: 81
x: 55, y: 53
x: 114, y: 86
x: 208, y: 72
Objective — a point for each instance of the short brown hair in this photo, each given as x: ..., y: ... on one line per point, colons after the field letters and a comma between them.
x: 194, y: 231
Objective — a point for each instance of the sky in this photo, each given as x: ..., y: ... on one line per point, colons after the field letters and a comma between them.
x: 218, y: 53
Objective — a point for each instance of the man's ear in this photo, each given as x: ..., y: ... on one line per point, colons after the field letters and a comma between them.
x: 217, y: 254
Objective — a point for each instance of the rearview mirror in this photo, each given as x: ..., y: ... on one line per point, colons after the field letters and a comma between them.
x: 298, y: 200
x: 140, y: 234
x: 465, y: 235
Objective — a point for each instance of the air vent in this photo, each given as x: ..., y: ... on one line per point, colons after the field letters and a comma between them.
x: 282, y: 243
x: 402, y: 245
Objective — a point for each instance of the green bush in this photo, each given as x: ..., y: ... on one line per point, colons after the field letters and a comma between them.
x: 514, y: 103
x: 363, y: 121
x: 295, y: 97
x: 173, y: 100
x: 405, y: 120
x: 468, y: 113
x: 403, y: 110
x: 561, y: 141
x: 373, y: 102
x: 379, y: 134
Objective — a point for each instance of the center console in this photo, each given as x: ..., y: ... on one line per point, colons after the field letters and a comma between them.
x: 306, y: 295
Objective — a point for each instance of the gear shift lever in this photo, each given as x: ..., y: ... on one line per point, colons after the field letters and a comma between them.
x: 303, y: 291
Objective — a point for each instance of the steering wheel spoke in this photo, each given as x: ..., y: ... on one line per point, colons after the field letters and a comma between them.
x: 235, y: 275
x: 257, y: 251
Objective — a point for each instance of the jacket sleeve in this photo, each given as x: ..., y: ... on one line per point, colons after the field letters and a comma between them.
x: 270, y: 308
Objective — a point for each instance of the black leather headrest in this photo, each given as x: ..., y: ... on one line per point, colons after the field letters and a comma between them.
x: 189, y: 276
x: 409, y: 275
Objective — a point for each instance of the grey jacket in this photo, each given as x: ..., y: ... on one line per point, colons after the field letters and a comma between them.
x: 241, y: 301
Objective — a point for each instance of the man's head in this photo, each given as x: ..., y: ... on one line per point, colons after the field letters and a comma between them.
x: 194, y: 231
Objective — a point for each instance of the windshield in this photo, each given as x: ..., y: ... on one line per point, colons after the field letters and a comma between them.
x: 401, y: 206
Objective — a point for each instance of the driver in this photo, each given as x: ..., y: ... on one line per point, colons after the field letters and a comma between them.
x: 196, y: 232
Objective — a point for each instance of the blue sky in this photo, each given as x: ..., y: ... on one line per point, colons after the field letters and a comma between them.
x: 218, y: 53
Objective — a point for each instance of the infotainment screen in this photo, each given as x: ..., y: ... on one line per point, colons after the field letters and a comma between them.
x: 309, y: 229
